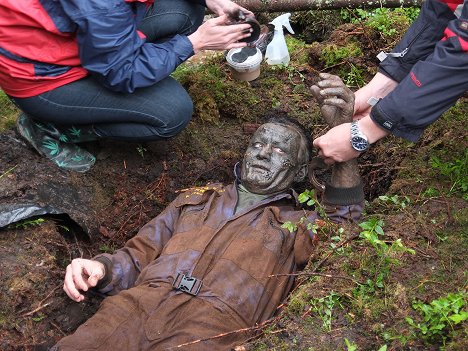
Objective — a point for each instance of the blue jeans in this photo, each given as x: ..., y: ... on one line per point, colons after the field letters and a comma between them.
x: 148, y: 114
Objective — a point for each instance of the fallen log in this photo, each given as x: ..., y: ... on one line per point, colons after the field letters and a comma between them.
x: 305, y: 5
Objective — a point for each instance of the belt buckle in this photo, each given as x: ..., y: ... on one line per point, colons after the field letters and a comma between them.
x: 187, y: 284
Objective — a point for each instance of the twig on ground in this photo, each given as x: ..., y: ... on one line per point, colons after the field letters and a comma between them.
x: 41, y: 305
x: 254, y: 328
x: 58, y: 328
x: 307, y: 274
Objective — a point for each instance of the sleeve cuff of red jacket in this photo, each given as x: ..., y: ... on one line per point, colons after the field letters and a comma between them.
x: 343, y: 196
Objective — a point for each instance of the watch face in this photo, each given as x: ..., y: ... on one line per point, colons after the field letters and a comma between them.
x: 359, y: 144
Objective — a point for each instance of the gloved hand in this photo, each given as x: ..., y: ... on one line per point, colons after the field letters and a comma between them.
x: 335, y: 99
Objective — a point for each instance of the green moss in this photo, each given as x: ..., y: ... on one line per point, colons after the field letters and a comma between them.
x: 8, y: 112
x: 298, y: 301
x: 297, y: 50
x: 333, y: 54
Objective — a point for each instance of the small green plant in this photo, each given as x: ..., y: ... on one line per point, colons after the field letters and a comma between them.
x: 456, y: 171
x: 336, y: 239
x: 309, y: 198
x: 275, y: 103
x: 379, y: 266
x: 38, y: 318
x: 398, y: 201
x: 27, y: 223
x: 430, y: 192
x: 354, y: 78
x: 324, y: 306
x: 372, y: 229
x: 141, y: 150
x: 439, y: 317
x: 388, y: 22
x: 350, y: 346
x: 106, y: 248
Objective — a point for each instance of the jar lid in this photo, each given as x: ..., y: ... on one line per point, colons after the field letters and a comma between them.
x: 244, y: 58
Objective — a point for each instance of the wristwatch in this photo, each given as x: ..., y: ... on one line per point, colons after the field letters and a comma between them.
x: 359, y: 141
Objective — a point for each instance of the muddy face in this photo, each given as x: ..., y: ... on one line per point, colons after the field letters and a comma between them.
x: 271, y: 161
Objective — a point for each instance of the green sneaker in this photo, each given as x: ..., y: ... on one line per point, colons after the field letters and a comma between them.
x: 65, y: 155
x: 69, y: 134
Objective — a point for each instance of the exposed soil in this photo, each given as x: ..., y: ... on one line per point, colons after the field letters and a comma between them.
x: 131, y: 183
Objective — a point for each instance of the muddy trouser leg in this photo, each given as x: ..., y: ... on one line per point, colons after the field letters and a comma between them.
x: 117, y: 325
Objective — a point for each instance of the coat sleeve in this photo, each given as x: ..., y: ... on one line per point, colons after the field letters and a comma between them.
x: 431, y: 79
x: 111, y: 48
x: 343, y: 204
x: 124, y: 266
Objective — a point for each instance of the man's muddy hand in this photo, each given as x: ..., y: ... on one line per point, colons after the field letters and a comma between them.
x: 335, y: 99
x: 81, y: 275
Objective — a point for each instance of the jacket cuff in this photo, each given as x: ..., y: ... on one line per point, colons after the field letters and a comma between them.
x: 379, y: 117
x: 108, y: 272
x: 343, y: 196
x: 393, y: 69
x: 182, y: 46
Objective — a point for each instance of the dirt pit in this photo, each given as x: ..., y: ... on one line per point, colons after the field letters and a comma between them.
x: 93, y: 212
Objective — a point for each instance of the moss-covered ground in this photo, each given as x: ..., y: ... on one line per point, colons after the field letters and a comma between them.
x: 396, y: 281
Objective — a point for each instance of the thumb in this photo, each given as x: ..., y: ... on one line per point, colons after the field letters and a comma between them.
x: 316, y: 93
x: 94, y: 277
x: 223, y: 19
x: 316, y: 142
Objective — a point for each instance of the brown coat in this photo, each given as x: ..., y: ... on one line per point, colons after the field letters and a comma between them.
x: 242, y: 259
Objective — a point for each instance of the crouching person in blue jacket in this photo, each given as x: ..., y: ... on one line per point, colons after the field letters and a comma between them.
x: 82, y: 70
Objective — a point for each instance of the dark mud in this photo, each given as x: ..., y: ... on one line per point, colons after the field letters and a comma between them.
x: 131, y: 183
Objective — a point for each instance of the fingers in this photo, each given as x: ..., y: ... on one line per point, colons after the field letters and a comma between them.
x: 336, y: 102
x: 316, y: 93
x: 218, y: 34
x: 69, y: 286
x: 81, y: 275
x: 235, y: 45
x: 220, y: 20
x: 77, y: 274
x: 327, y: 160
x: 329, y: 76
x: 96, y: 274
x: 331, y: 90
x: 246, y: 12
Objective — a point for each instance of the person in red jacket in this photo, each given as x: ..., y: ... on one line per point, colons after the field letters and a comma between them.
x: 87, y: 69
x: 425, y: 74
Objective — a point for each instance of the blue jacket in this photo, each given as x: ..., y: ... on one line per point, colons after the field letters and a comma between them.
x: 432, y: 69
x: 48, y: 43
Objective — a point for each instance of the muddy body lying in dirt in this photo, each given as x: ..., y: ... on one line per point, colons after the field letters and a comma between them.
x: 350, y: 290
